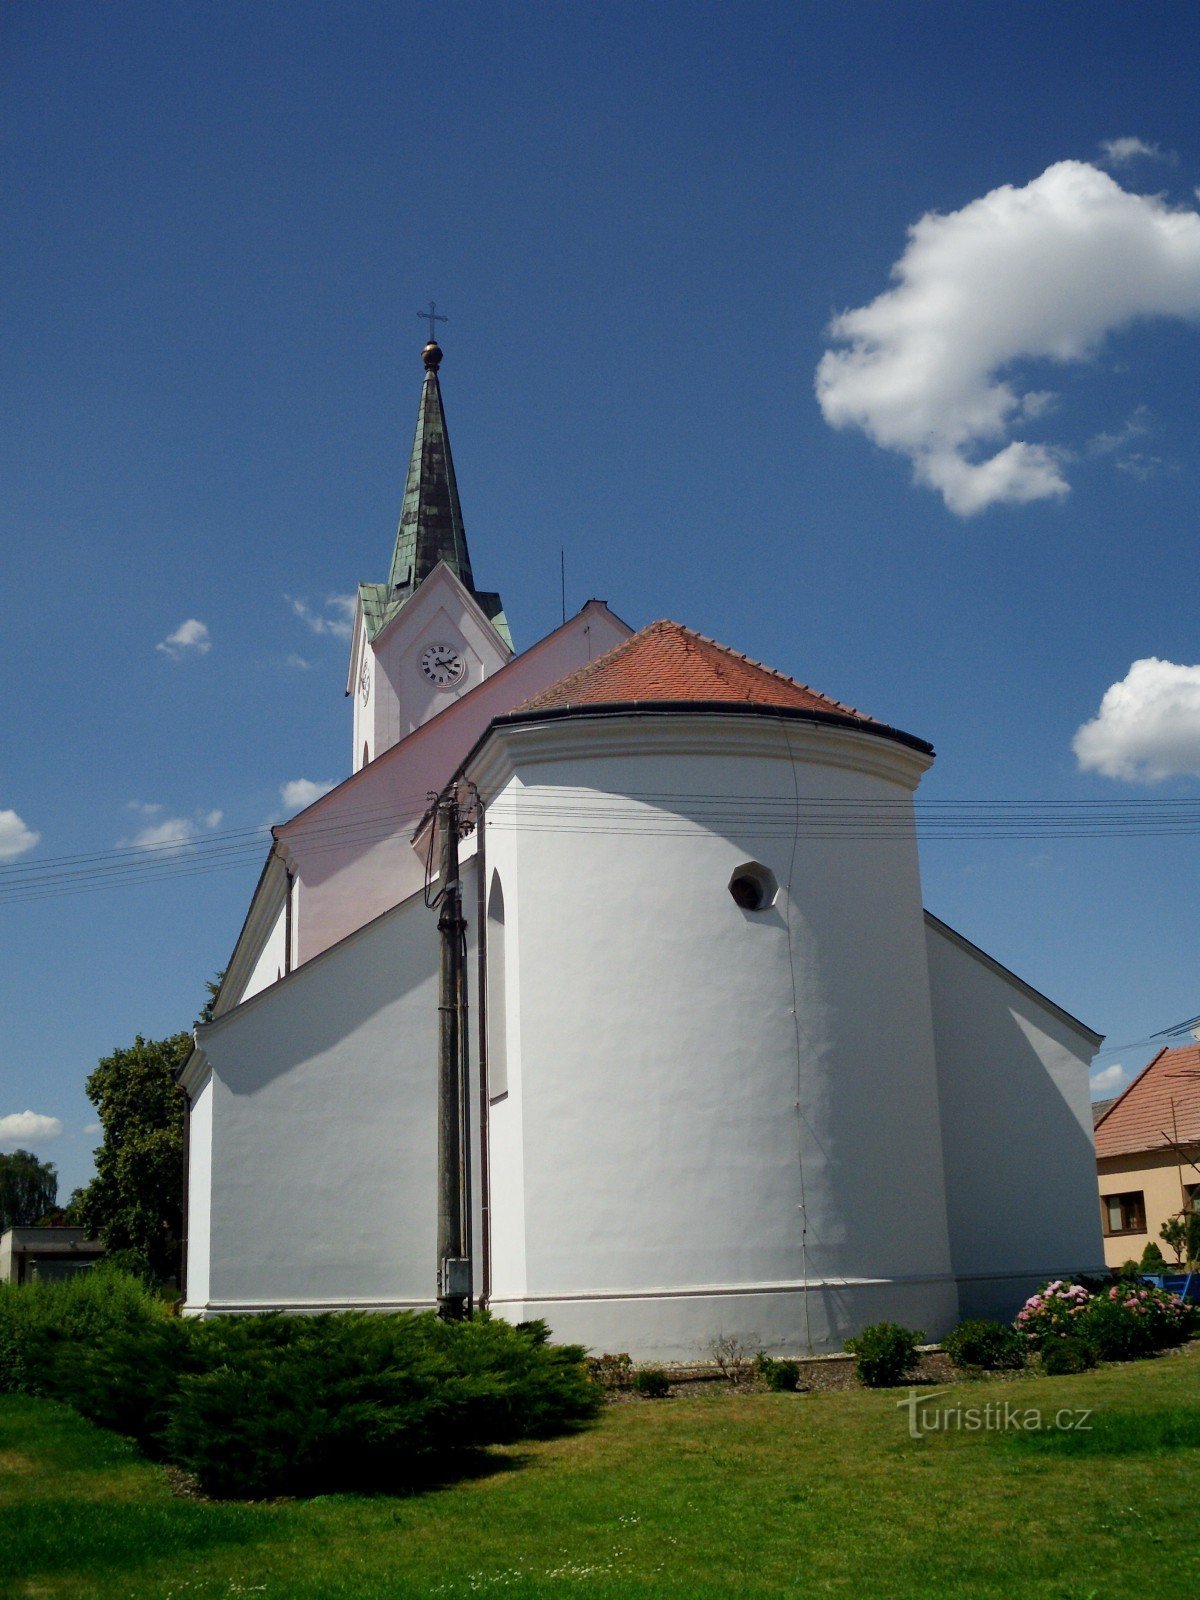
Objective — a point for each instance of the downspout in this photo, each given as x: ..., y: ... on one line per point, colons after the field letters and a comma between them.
x: 485, y: 1167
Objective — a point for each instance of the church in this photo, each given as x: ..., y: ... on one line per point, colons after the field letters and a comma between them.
x: 716, y: 1071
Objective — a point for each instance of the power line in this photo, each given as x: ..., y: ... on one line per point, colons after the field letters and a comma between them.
x: 574, y: 810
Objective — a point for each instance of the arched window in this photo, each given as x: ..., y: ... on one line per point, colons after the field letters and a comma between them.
x: 366, y: 755
x: 497, y: 1012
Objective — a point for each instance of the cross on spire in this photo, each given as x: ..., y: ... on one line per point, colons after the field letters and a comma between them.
x: 431, y: 316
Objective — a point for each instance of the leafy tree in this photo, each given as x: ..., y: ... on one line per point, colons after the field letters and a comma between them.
x: 214, y: 988
x: 1182, y: 1233
x: 135, y: 1201
x: 28, y: 1189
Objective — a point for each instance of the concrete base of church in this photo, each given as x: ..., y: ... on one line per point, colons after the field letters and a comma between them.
x: 999, y: 1296
x: 784, y: 1319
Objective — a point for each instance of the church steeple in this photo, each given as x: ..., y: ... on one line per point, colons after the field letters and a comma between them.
x: 431, y: 523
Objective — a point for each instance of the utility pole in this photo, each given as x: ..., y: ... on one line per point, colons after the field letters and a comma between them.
x: 454, y: 1264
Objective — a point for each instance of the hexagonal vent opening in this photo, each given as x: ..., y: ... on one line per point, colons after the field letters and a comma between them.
x: 753, y: 886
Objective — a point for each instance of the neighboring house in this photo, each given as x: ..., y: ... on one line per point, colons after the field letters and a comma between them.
x: 1148, y: 1154
x: 725, y: 1075
x: 44, y: 1254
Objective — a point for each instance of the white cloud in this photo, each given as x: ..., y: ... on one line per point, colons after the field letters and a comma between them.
x: 338, y: 617
x: 143, y: 808
x: 15, y: 837
x: 189, y: 637
x: 1040, y: 272
x: 301, y: 792
x: 1148, y: 725
x: 172, y: 834
x: 298, y: 663
x: 1134, y: 427
x: 92, y: 1128
x: 28, y: 1127
x: 1108, y: 1080
x: 1120, y: 152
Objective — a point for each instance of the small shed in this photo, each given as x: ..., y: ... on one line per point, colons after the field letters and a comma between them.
x: 46, y: 1254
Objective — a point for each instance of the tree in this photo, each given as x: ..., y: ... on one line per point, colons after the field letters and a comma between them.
x: 135, y: 1201
x: 28, y: 1189
x: 1182, y: 1233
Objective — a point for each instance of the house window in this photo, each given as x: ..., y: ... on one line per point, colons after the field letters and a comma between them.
x: 1192, y: 1192
x: 1124, y: 1213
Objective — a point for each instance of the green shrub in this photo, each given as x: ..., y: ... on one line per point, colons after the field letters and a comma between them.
x: 302, y: 1405
x: 84, y: 1311
x: 1119, y: 1321
x: 611, y: 1371
x: 985, y: 1346
x: 783, y: 1376
x: 1067, y: 1354
x: 884, y: 1353
x: 652, y: 1383
x: 1153, y: 1259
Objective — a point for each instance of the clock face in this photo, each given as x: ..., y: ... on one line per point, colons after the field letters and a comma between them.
x: 442, y: 664
x: 364, y: 682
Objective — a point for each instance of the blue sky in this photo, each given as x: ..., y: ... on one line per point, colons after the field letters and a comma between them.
x: 220, y: 222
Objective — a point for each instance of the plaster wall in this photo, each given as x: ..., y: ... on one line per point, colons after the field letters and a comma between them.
x: 704, y: 1148
x: 272, y: 962
x: 324, y: 1130
x: 1016, y: 1130
x: 351, y: 849
x: 1162, y: 1180
x: 199, y: 1191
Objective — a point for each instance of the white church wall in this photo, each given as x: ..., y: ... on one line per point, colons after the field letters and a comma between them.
x: 505, y: 1143
x: 272, y: 962
x: 1017, y: 1129
x: 323, y: 1118
x: 655, y: 1064
x: 199, y: 1188
x: 352, y: 849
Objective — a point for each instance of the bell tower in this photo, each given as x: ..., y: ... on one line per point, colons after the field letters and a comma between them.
x: 427, y: 636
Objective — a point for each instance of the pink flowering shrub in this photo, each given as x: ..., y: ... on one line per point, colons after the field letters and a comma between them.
x: 1054, y: 1312
x: 1117, y: 1321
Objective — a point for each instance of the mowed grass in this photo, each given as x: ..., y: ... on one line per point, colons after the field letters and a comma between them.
x: 722, y: 1495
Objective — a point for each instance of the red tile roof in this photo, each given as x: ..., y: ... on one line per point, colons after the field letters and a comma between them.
x: 1160, y: 1106
x: 667, y: 662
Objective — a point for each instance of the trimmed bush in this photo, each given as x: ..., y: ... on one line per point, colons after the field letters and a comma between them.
x: 782, y: 1376
x: 1066, y: 1354
x: 303, y: 1405
x: 884, y: 1354
x: 611, y: 1371
x: 1153, y: 1259
x: 979, y: 1345
x: 83, y: 1311
x: 652, y: 1383
x: 269, y: 1405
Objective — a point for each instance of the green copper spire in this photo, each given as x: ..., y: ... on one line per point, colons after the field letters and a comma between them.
x: 431, y: 525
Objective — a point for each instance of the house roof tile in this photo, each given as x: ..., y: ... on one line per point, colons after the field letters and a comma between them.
x: 1161, y: 1107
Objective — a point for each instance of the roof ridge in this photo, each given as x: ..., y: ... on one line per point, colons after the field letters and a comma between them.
x: 1131, y: 1085
x: 774, y: 672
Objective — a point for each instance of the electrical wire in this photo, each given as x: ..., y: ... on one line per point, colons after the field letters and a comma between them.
x: 585, y: 811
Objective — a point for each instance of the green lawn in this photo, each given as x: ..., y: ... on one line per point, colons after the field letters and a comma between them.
x: 721, y: 1495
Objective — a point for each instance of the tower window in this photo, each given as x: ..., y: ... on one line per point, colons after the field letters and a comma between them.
x: 753, y: 886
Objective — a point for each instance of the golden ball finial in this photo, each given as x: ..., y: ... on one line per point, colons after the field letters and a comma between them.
x: 432, y: 356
